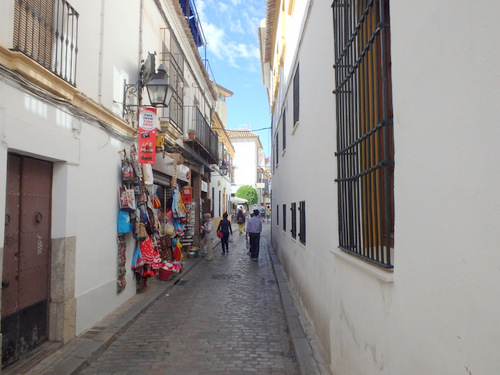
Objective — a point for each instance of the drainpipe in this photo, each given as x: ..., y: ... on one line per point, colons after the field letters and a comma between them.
x: 141, y: 15
x: 101, y: 47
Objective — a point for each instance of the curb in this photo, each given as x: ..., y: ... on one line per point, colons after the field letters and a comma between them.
x: 301, y: 345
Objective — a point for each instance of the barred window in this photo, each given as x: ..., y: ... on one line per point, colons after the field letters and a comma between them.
x: 302, y: 225
x: 293, y: 210
x: 365, y: 151
x: 284, y: 217
x: 47, y: 32
x: 296, y: 97
x: 283, y: 121
x: 276, y: 143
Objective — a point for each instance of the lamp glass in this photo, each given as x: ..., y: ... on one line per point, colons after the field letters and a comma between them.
x: 157, y: 90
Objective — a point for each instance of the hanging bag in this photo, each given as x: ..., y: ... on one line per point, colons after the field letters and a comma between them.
x: 127, y: 170
x: 124, y: 223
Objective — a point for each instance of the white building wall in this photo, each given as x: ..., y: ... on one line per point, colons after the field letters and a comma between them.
x: 446, y: 186
x: 437, y: 313
x: 220, y: 184
x: 245, y: 161
x: 84, y: 197
x: 86, y: 160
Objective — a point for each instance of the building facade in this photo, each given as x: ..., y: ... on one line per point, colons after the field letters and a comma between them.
x: 249, y: 158
x: 73, y: 78
x: 222, y: 175
x: 383, y: 179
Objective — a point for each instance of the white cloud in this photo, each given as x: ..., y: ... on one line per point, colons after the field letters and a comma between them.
x: 215, y: 39
x: 235, y: 27
x: 230, y: 28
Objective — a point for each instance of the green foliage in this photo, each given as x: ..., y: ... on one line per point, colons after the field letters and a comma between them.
x: 249, y: 193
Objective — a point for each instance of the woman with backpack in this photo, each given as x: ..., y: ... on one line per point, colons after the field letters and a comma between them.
x: 240, y: 220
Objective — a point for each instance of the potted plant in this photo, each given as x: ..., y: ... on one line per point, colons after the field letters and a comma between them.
x: 192, y: 133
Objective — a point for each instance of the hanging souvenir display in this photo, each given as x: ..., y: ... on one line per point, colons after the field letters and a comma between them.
x: 124, y: 224
x: 178, y: 207
x: 146, y: 260
x: 122, y: 270
x: 156, y: 202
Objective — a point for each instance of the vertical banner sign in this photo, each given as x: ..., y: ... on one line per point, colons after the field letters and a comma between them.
x: 147, y: 135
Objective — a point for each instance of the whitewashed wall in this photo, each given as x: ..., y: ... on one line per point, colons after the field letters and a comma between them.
x: 84, y: 197
x: 219, y: 183
x: 438, y: 312
x: 447, y: 177
x: 245, y: 161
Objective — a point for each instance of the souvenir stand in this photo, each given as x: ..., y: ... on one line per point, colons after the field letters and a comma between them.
x: 157, y: 247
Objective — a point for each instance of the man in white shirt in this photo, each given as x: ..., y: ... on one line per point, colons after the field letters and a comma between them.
x: 254, y: 228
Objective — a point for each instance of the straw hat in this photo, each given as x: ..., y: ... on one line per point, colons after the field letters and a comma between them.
x: 170, y: 230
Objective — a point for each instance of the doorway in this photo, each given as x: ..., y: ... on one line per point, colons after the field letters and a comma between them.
x: 26, y: 259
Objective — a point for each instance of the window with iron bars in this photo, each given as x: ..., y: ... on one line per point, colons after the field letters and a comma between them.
x: 293, y: 210
x: 283, y: 121
x: 277, y: 148
x: 284, y: 217
x: 365, y: 151
x: 173, y: 58
x: 277, y: 215
x: 296, y: 97
x: 302, y: 222
x: 47, y: 32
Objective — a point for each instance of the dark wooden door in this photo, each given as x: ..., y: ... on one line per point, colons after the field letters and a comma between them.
x: 26, y: 267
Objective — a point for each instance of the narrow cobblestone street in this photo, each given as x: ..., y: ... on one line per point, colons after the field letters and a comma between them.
x: 224, y: 317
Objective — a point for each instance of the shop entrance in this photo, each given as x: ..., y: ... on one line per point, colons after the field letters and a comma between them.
x: 26, y: 271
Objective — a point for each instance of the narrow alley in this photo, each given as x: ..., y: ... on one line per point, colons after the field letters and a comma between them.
x: 227, y: 316
x: 224, y: 317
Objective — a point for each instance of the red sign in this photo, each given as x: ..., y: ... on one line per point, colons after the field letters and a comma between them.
x: 187, y: 193
x: 147, y: 135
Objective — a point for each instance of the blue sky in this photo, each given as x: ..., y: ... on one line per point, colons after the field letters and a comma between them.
x: 230, y: 28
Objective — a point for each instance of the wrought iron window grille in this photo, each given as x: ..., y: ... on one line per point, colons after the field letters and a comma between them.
x: 47, y: 32
x: 365, y: 150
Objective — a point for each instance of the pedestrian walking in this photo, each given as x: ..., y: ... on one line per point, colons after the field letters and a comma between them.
x: 268, y: 213
x: 240, y: 220
x: 225, y: 228
x: 262, y: 212
x: 207, y: 241
x: 254, y: 228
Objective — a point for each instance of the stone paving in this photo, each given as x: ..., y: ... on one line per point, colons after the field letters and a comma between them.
x: 223, y: 317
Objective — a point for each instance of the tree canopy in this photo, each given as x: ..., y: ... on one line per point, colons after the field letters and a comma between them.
x: 249, y: 193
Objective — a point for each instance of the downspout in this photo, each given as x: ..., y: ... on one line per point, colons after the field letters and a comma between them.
x: 141, y: 17
x: 101, y: 57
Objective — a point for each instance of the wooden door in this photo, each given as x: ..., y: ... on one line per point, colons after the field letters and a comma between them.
x: 26, y: 260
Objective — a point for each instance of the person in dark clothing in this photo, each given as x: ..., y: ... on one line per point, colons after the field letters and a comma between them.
x: 225, y: 228
x: 240, y: 219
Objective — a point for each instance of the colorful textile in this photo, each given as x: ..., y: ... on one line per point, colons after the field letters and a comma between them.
x: 146, y: 260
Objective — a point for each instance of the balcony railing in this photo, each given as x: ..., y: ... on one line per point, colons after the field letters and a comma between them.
x: 205, y: 137
x: 47, y: 32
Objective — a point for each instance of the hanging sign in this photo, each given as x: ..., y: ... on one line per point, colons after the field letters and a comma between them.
x: 187, y: 193
x: 147, y: 135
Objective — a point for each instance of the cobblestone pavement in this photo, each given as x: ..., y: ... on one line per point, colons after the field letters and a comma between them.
x: 223, y: 317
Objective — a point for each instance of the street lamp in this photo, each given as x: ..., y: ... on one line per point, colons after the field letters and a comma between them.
x: 159, y: 90
x: 223, y: 168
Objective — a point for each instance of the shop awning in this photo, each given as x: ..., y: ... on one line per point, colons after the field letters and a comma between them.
x: 238, y: 200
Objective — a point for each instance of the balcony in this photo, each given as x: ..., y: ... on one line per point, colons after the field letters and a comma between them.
x: 47, y: 32
x: 205, y: 141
